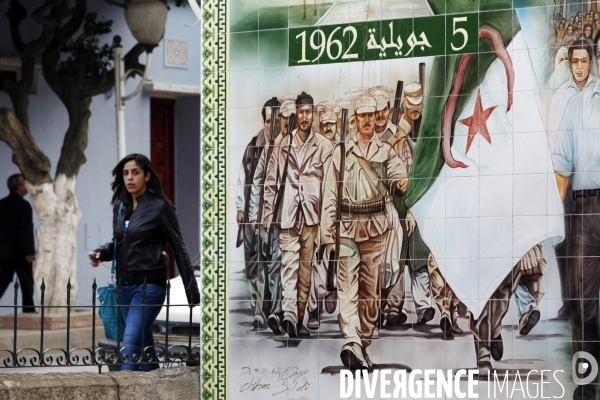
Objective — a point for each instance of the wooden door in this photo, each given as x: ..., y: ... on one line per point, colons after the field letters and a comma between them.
x: 162, y: 149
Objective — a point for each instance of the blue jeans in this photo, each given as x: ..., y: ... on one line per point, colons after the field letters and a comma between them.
x: 523, y: 300
x: 132, y: 299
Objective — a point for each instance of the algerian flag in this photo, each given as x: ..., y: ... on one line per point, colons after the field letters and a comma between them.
x: 486, y: 202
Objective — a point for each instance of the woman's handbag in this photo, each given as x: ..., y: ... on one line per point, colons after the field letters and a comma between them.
x: 109, y: 312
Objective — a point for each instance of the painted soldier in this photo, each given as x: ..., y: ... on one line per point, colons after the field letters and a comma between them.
x: 413, y: 250
x: 319, y: 297
x: 373, y: 173
x: 270, y: 256
x: 246, y: 175
x: 292, y: 200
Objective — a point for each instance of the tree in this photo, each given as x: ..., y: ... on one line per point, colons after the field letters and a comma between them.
x: 77, y: 68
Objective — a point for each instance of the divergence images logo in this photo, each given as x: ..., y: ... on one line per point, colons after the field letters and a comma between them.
x: 584, y: 363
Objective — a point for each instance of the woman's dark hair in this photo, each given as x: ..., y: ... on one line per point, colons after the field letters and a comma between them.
x: 153, y: 185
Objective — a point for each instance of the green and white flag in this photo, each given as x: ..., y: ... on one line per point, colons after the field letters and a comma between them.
x: 483, y: 190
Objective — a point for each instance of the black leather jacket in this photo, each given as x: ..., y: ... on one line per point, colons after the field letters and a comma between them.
x: 139, y: 249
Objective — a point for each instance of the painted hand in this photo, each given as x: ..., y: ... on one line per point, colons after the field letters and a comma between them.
x: 411, y: 223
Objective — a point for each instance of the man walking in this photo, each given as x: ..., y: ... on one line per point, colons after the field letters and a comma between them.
x: 576, y: 158
x: 252, y: 156
x: 292, y: 199
x: 373, y: 173
x: 17, y: 247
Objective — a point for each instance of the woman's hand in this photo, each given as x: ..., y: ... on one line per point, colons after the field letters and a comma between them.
x: 94, y: 258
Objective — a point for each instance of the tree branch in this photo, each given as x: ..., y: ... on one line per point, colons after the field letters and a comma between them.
x: 73, y: 25
x: 16, y: 14
x: 26, y: 155
x: 132, y: 57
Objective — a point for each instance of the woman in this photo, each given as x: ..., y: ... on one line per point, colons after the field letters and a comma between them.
x: 146, y: 223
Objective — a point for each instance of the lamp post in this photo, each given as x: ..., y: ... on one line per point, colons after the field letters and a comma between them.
x: 146, y: 19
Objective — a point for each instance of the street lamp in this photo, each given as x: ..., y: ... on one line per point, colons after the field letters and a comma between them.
x: 146, y: 20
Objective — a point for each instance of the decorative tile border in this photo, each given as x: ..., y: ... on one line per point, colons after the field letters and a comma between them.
x: 214, y: 201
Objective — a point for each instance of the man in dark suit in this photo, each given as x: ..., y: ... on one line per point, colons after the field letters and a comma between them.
x: 17, y: 247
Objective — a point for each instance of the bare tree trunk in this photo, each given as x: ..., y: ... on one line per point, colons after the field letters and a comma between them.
x: 315, y: 8
x: 304, y: 14
x: 56, y: 258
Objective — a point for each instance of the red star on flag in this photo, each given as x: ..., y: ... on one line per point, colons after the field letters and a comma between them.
x: 476, y: 122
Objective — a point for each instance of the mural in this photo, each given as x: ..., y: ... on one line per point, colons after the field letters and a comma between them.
x: 410, y: 185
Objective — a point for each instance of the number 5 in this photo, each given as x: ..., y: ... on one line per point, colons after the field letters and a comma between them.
x: 462, y: 31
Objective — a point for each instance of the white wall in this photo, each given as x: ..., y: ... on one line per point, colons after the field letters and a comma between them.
x: 49, y: 121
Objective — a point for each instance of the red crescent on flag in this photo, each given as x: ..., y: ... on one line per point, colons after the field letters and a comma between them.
x: 494, y: 36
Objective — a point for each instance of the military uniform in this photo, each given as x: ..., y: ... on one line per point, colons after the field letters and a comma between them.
x: 370, y: 179
x: 300, y: 213
x: 412, y: 250
x: 318, y: 282
x: 256, y: 280
x: 270, y: 256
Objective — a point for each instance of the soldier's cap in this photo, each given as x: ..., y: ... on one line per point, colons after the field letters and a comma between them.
x: 382, y: 98
x: 365, y: 104
x: 413, y: 92
x: 328, y: 117
x: 287, y: 108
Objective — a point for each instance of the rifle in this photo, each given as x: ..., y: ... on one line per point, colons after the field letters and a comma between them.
x: 397, y: 102
x: 281, y: 188
x: 422, y: 76
x: 261, y: 201
x: 334, y: 257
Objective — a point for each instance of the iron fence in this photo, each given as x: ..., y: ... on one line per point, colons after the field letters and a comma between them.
x: 178, y: 341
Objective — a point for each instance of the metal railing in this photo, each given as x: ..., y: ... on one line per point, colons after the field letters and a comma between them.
x: 183, y: 349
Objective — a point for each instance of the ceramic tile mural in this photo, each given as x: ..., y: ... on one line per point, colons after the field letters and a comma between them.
x: 400, y: 185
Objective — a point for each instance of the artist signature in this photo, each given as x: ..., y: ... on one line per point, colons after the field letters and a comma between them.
x: 275, y: 380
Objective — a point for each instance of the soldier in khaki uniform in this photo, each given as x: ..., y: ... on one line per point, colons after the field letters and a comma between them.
x: 302, y: 160
x: 328, y: 124
x: 372, y: 174
x: 270, y: 256
x: 413, y: 251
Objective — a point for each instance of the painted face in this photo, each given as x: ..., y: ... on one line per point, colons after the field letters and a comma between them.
x: 588, y: 32
x: 283, y: 122
x: 598, y: 24
x: 352, y: 124
x: 328, y: 130
x: 413, y: 111
x: 570, y: 30
x: 365, y: 123
x: 134, y: 178
x: 267, y: 126
x: 304, y: 117
x: 381, y: 117
x: 580, y: 65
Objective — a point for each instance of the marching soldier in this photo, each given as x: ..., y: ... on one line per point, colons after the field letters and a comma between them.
x: 293, y: 182
x: 246, y: 175
x: 328, y: 124
x: 413, y: 250
x: 271, y: 256
x: 372, y: 174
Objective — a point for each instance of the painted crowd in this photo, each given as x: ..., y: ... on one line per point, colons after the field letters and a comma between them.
x: 325, y: 228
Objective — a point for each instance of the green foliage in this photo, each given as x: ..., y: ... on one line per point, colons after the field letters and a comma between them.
x: 84, y: 53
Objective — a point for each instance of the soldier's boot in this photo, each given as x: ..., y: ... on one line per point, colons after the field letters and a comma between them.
x: 483, y: 359
x: 289, y: 327
x: 331, y: 302
x: 352, y: 357
x: 313, y: 320
x: 274, y: 323
x: 497, y: 349
x: 394, y: 320
x: 258, y: 322
x: 446, y: 327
